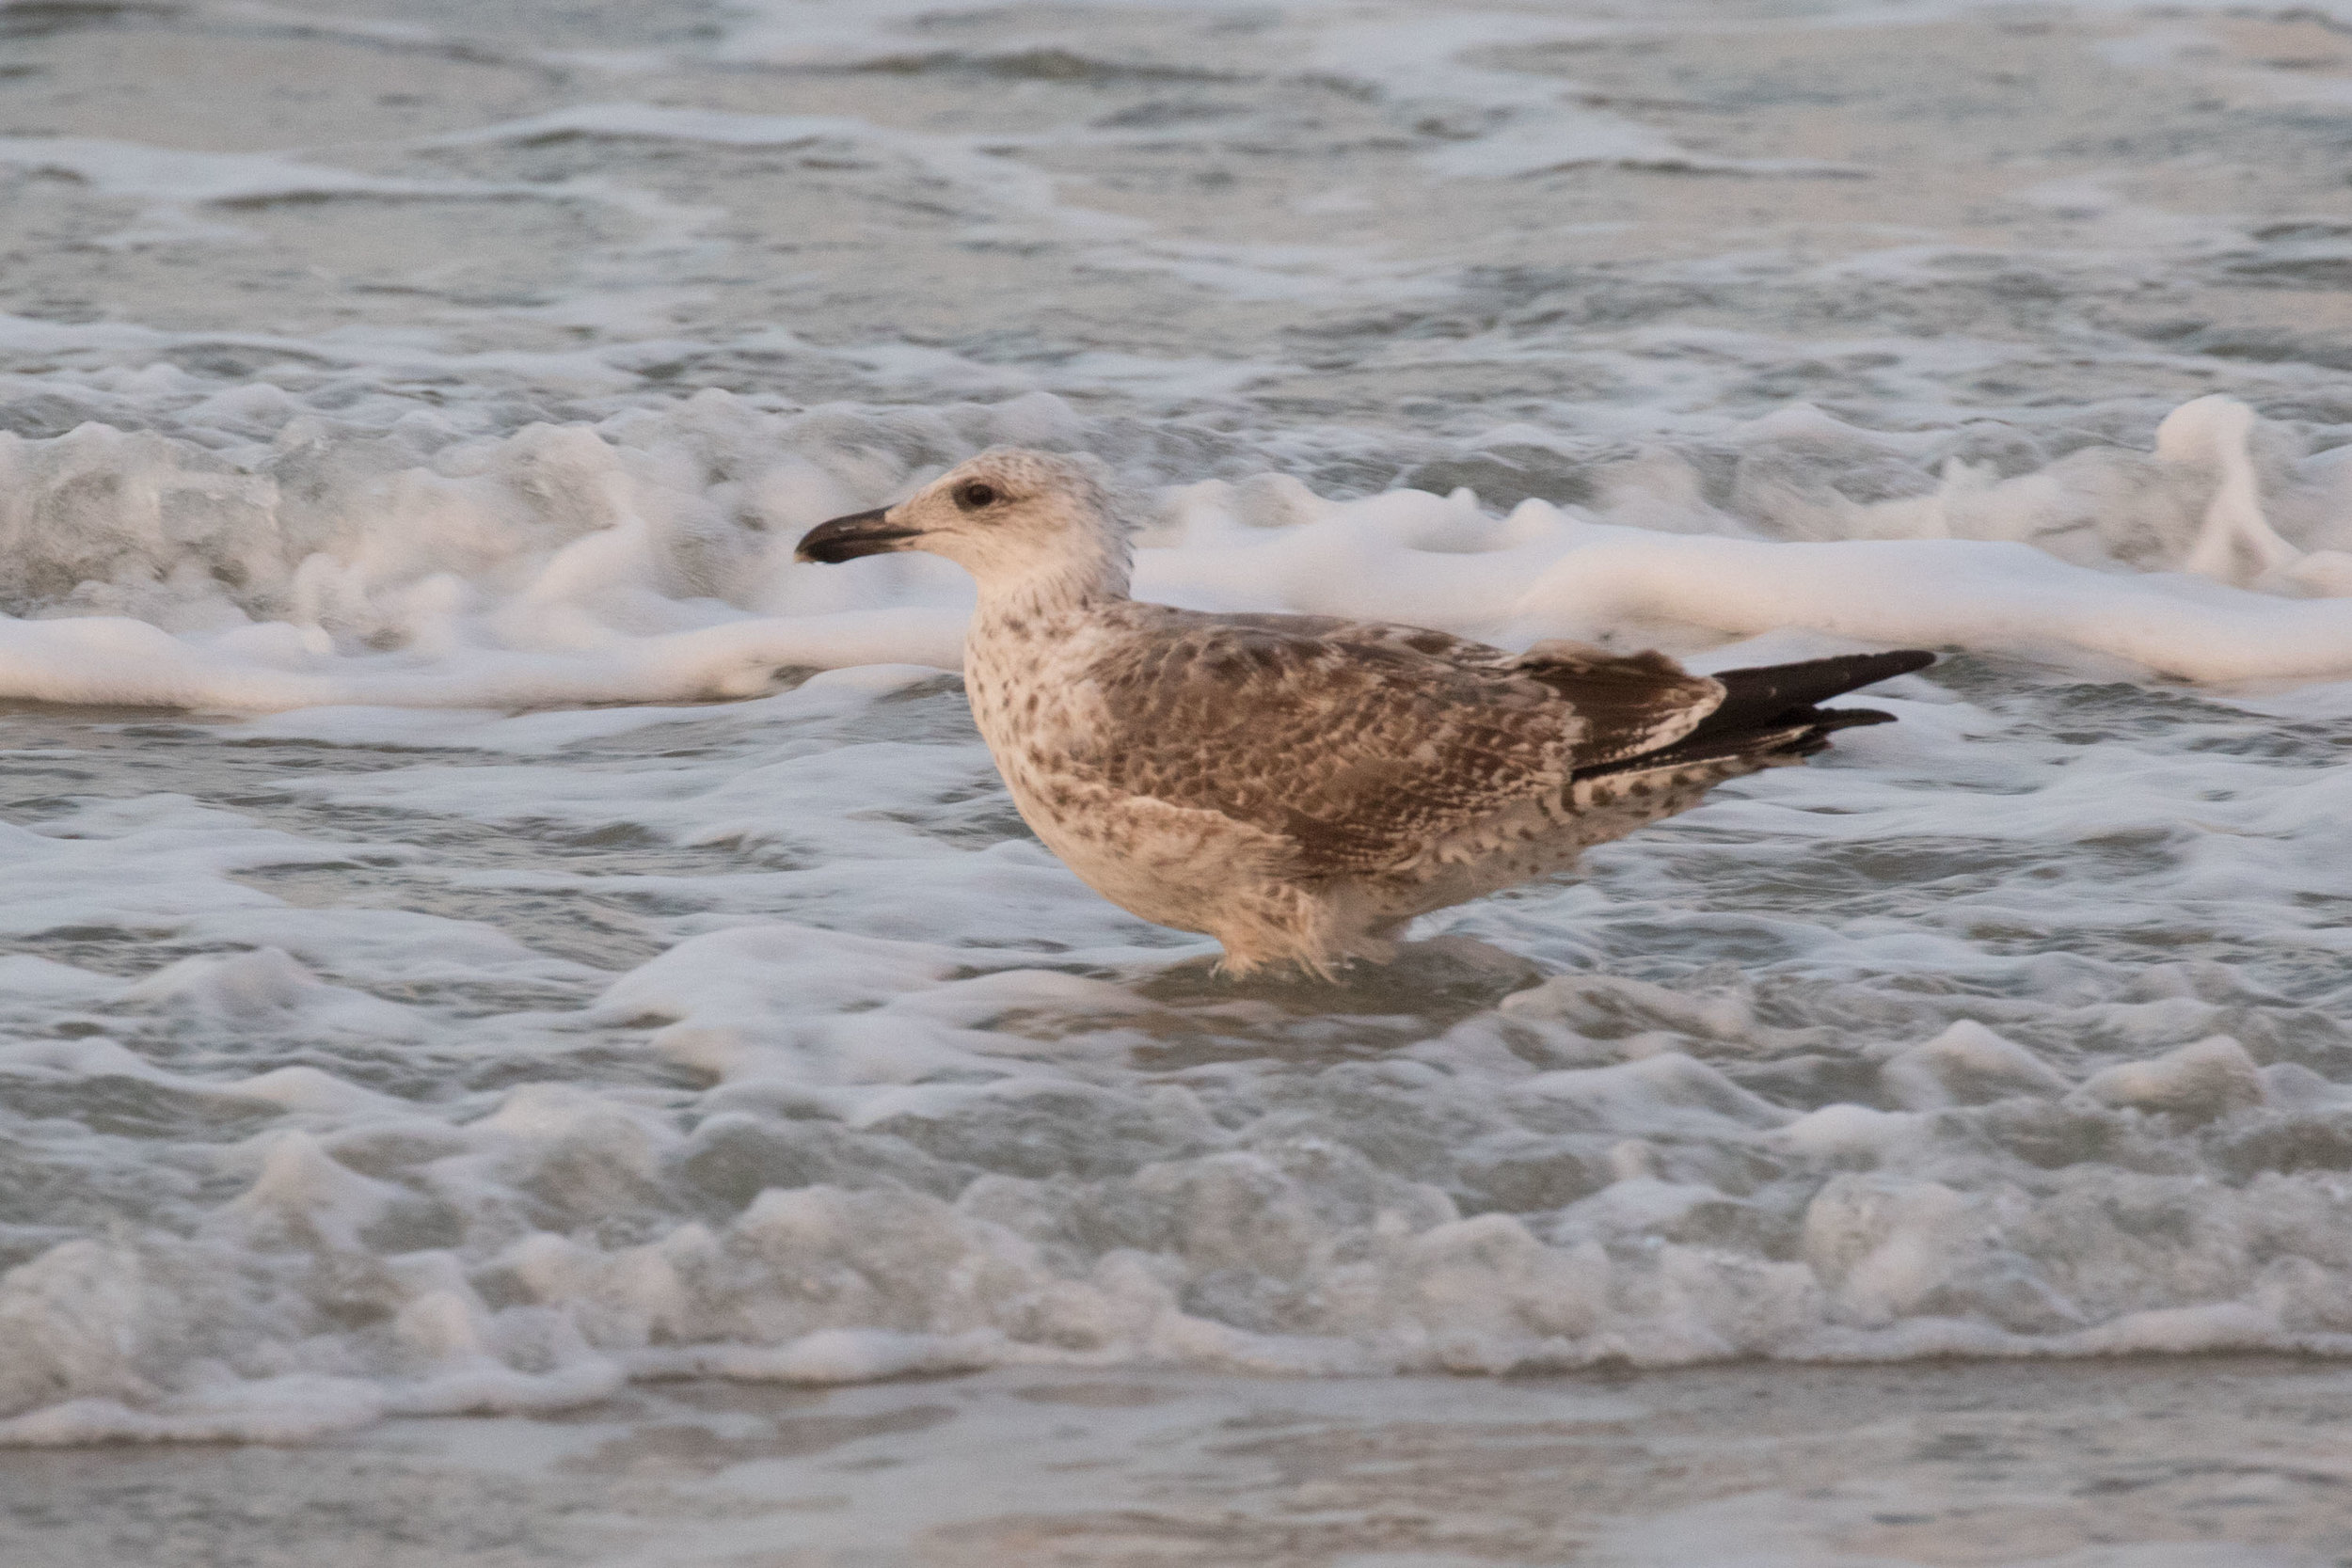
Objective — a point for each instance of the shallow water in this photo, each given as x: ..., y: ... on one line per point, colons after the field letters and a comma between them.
x: 2197, y: 1462
x: 485, y: 929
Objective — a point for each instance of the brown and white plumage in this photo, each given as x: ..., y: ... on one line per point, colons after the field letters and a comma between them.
x: 1301, y: 787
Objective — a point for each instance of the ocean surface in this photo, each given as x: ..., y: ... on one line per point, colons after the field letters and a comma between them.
x: 485, y: 931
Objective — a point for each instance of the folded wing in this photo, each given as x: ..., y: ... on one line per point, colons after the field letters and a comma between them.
x: 1362, y: 746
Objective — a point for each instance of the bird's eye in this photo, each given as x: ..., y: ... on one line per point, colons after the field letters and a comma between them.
x: 973, y: 495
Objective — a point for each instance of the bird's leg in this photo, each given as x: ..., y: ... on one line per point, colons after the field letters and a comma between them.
x: 1237, y: 962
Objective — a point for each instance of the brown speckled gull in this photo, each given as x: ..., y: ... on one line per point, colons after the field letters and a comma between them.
x: 1297, y: 786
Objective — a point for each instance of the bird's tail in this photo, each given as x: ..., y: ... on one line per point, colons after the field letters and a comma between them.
x: 1769, y: 713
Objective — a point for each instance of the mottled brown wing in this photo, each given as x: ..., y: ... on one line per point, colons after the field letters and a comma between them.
x: 1362, y: 745
x: 1630, y: 702
x: 1626, y: 704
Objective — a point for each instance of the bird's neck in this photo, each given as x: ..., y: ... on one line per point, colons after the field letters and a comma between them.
x: 1050, y: 591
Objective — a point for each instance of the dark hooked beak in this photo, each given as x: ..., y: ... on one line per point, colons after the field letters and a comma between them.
x: 847, y: 538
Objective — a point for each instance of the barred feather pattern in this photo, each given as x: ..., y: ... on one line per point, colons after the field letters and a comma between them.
x: 1301, y: 786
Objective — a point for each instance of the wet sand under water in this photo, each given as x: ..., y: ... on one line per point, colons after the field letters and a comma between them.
x: 2137, y: 1463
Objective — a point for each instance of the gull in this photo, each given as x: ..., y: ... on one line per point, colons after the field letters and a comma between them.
x: 1300, y: 788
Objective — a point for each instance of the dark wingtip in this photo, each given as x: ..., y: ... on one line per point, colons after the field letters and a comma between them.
x: 1827, y: 719
x: 1844, y: 671
x: 1755, y: 698
x: 1770, y: 710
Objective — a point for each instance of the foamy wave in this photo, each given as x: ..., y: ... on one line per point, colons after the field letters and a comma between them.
x: 858, y: 1223
x: 648, y: 559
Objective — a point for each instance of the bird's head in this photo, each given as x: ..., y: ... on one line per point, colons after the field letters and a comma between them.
x: 1008, y: 517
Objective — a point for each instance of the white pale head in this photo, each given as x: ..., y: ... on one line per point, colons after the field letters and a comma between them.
x: 1019, y: 521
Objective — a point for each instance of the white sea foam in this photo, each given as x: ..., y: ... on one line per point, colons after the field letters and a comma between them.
x: 560, y: 566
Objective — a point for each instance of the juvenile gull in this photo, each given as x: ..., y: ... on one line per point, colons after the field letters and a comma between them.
x: 1301, y: 786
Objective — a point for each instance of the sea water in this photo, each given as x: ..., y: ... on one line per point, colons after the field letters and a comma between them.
x: 484, y: 926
